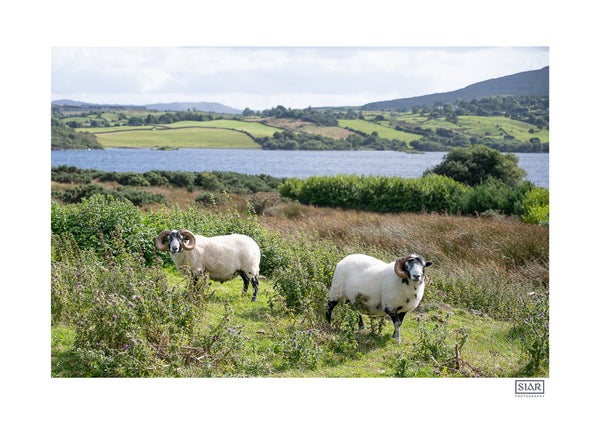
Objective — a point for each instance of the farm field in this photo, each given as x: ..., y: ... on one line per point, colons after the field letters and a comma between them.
x: 175, y: 138
x: 256, y: 129
x: 384, y: 132
x: 499, y: 126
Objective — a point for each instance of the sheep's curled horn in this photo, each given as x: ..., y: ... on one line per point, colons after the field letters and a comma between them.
x: 398, y: 267
x: 188, y: 243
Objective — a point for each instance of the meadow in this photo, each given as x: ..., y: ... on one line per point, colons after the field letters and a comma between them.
x: 119, y: 308
x: 175, y: 138
x: 369, y: 127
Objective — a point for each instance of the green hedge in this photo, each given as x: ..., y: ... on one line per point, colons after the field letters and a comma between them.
x: 431, y: 193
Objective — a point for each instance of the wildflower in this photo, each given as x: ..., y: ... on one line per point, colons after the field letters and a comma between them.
x: 310, y: 330
x: 295, y: 341
x: 126, y: 346
x: 114, y: 317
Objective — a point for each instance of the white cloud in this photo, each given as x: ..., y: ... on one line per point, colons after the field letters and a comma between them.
x: 262, y: 77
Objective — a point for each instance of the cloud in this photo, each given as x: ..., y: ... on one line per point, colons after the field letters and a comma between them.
x: 262, y: 77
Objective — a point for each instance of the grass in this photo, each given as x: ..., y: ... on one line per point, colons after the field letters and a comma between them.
x: 184, y: 137
x: 263, y: 326
x: 483, y: 269
x: 256, y: 129
x: 384, y: 132
x: 499, y: 126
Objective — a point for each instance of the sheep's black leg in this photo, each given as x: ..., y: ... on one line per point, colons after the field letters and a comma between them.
x: 330, y: 305
x: 361, y: 324
x: 397, y: 319
x: 254, y: 281
x: 246, y: 281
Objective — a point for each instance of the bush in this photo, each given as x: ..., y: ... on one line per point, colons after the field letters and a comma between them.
x: 128, y: 320
x: 433, y: 193
x: 536, y: 206
x: 474, y: 165
x: 132, y: 179
x: 80, y: 192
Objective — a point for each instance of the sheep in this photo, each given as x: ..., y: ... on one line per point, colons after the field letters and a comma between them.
x: 378, y: 288
x: 222, y: 257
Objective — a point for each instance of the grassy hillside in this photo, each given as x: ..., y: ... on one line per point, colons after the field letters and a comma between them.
x: 183, y: 137
x: 509, y: 123
x: 369, y: 127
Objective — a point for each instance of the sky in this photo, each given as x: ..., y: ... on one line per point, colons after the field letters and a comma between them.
x: 265, y: 77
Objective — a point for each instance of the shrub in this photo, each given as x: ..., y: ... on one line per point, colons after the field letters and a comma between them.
x: 536, y: 206
x: 534, y: 332
x: 433, y: 193
x: 474, y: 165
x: 128, y: 320
x: 132, y: 179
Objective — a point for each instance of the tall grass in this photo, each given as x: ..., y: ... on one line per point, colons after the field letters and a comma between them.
x: 110, y: 284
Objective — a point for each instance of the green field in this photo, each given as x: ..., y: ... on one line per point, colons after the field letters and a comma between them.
x: 498, y: 126
x: 184, y: 137
x: 256, y: 129
x: 384, y: 132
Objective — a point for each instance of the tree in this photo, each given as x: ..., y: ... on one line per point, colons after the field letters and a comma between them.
x: 474, y: 165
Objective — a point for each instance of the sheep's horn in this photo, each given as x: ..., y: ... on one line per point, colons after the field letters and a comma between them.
x: 190, y: 241
x: 160, y: 244
x: 398, y: 267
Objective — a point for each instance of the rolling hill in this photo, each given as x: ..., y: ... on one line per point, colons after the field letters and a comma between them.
x: 528, y: 83
x: 163, y: 107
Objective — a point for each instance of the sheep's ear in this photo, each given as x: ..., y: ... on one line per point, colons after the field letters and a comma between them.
x: 428, y: 263
x: 399, y: 267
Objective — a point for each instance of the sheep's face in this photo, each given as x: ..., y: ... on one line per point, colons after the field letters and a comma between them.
x: 175, y: 241
x: 414, y: 267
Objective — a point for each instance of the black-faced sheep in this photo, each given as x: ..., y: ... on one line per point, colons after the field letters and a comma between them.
x: 222, y: 257
x: 378, y: 288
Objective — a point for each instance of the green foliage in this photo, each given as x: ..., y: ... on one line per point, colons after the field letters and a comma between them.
x: 535, y: 333
x: 80, y: 192
x: 301, y: 349
x: 128, y: 318
x: 536, y: 206
x: 308, y: 115
x: 493, y: 195
x: 134, y: 316
x: 304, y: 280
x: 433, y: 193
x: 217, y: 181
x: 474, y: 165
x: 66, y: 138
x: 436, y: 344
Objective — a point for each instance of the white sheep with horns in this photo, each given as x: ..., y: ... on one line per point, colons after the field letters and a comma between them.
x: 222, y: 257
x: 378, y: 288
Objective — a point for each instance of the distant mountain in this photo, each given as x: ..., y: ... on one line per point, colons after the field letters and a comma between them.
x: 198, y: 106
x: 528, y: 83
x: 163, y: 107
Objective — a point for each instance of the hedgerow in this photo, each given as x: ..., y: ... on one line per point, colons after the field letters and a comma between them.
x: 431, y: 193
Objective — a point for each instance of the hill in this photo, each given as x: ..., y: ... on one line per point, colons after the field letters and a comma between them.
x: 197, y: 106
x: 65, y: 138
x: 163, y: 107
x: 530, y: 83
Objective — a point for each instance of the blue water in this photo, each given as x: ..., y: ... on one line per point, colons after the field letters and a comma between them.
x: 278, y: 163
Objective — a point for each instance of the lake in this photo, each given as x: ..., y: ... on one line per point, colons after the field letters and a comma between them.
x: 277, y: 163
